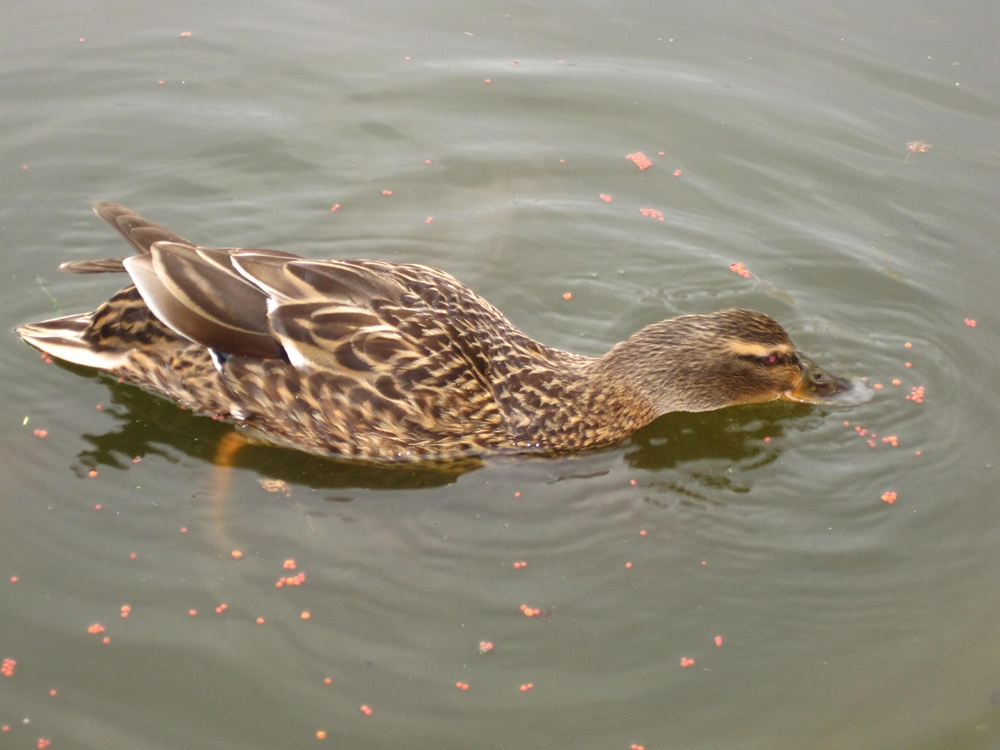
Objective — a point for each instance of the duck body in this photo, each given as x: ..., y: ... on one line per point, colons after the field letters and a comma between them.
x: 387, y: 361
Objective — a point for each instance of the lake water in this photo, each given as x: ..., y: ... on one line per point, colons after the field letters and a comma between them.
x: 778, y: 135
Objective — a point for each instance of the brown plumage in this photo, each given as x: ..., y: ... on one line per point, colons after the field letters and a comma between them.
x: 387, y: 361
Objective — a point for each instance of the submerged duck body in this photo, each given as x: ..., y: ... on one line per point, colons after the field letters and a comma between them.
x: 386, y: 361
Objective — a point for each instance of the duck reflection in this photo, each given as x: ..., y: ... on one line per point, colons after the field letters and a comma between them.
x: 701, y: 449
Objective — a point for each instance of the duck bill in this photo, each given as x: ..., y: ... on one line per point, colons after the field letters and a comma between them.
x: 817, y: 386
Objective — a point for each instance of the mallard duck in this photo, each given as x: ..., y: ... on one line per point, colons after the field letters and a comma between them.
x: 383, y: 360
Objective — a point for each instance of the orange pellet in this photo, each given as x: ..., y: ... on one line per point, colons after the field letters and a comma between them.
x: 236, y: 554
x: 429, y: 220
x: 718, y: 640
x: 908, y: 364
x: 517, y: 494
x: 92, y: 473
x: 740, y: 270
x: 677, y: 173
x: 889, y: 497
x: 335, y: 207
x: 642, y: 532
x: 462, y: 685
x: 126, y: 610
x: 632, y: 482
x: 640, y: 160
x: 185, y: 33
x: 7, y: 668
x: 877, y: 386
x: 320, y: 735
x: 628, y: 566
x: 606, y: 198
x: 260, y: 621
x: 485, y: 647
x: 366, y: 711
x: 305, y: 615
x: 908, y: 345
x: 526, y: 688
x: 289, y: 564
x: 651, y: 213
x: 95, y: 628
x: 637, y: 747
x: 970, y: 322
x: 519, y: 565
x: 192, y: 612
x: 41, y: 433
x: 43, y: 743
x: 221, y: 608
x: 386, y: 192
x: 13, y: 579
x: 105, y: 640
x: 184, y: 529
x: 686, y: 662
x: 568, y: 296
x: 53, y: 693
x: 897, y: 381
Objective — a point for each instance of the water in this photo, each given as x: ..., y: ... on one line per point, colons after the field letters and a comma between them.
x: 846, y: 621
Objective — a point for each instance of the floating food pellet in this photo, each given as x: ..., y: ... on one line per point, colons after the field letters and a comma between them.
x: 260, y: 620
x: 677, y: 173
x: 105, y: 640
x: 527, y: 687
x: 335, y: 207
x: 43, y: 743
x: 740, y: 270
x: 637, y: 747
x: 651, y: 213
x: 686, y: 662
x: 517, y: 494
x: 429, y: 220
x: 767, y: 440
x: 366, y: 711
x: 7, y: 668
x: 485, y: 647
x: 92, y: 473
x: 97, y: 507
x: 877, y: 386
x: 427, y: 161
x: 606, y: 198
x: 320, y: 735
x: 970, y: 322
x: 462, y: 685
x: 221, y: 608
x: 53, y: 693
x: 289, y: 564
x: 640, y: 160
x: 908, y: 345
x: 889, y: 497
x: 628, y: 566
x: 95, y: 628
x: 185, y: 33
x: 632, y: 482
x: 568, y: 296
x: 386, y: 192
x: 184, y: 529
x: 519, y: 565
x: 918, y: 147
x: 642, y: 532
x: 126, y: 610
x: 718, y: 640
x: 897, y: 381
x: 41, y: 433
x: 192, y: 612
x: 488, y: 81
x: 14, y: 579
x: 908, y: 364
x: 305, y: 615
x: 236, y: 554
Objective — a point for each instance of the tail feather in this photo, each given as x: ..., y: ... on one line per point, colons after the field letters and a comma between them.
x: 66, y: 338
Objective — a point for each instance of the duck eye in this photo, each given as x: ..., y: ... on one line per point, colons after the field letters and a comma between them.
x: 772, y: 359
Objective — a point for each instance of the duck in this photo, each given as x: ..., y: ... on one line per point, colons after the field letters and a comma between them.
x: 386, y: 361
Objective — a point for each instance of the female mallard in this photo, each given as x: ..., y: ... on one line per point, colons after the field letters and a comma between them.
x: 382, y: 360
